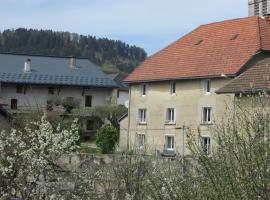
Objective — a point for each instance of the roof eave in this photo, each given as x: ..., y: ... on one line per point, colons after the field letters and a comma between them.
x: 241, y: 90
x: 182, y: 78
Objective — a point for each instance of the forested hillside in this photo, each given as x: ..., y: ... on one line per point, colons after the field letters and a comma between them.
x: 111, y: 55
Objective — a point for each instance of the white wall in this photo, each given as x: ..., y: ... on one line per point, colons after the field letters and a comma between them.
x: 37, y: 95
x: 123, y: 97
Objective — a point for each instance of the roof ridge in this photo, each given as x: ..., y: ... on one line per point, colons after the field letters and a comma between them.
x: 219, y: 55
x: 40, y: 55
x: 230, y: 20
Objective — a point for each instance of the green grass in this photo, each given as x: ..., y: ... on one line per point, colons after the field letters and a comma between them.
x: 88, y: 150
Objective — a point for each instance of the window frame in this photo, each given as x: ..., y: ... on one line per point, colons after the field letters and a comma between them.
x: 173, y: 88
x: 207, y: 86
x: 206, y: 144
x: 143, y: 89
x: 142, y: 116
x: 169, y: 145
x: 140, y: 138
x: 51, y: 90
x: 207, y: 117
x: 170, y: 116
x: 19, y: 89
x: 14, y: 104
x: 86, y: 102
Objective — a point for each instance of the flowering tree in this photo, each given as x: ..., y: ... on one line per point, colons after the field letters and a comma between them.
x: 28, y: 161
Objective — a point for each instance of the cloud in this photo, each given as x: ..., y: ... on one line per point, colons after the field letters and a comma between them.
x: 141, y: 22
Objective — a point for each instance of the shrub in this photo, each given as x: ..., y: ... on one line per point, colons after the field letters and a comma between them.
x: 69, y: 104
x: 106, y: 139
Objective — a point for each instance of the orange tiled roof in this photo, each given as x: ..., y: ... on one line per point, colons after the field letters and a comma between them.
x: 210, y: 50
x: 255, y: 79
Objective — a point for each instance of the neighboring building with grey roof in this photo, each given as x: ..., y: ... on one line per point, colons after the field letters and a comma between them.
x: 122, y: 90
x: 30, y: 82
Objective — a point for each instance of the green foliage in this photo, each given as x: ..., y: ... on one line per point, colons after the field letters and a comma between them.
x: 69, y: 104
x: 106, y: 139
x: 111, y: 113
x: 100, y: 51
x: 88, y: 150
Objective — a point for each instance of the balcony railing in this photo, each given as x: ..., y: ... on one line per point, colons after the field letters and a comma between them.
x: 168, y: 153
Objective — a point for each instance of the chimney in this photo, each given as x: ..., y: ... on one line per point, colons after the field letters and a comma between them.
x: 27, y: 65
x: 72, y: 63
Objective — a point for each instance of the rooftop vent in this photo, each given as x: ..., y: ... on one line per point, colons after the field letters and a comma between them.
x: 198, y: 42
x: 27, y: 65
x: 73, y: 63
x: 234, y: 37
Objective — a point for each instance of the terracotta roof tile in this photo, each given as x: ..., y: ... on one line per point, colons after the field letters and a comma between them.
x: 255, y: 79
x: 217, y: 53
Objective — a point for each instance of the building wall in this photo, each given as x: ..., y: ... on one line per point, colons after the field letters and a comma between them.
x: 188, y: 102
x: 258, y: 7
x: 123, y: 97
x: 36, y: 96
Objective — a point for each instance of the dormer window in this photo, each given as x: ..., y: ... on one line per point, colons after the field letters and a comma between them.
x: 143, y: 89
x: 198, y: 42
x: 234, y: 37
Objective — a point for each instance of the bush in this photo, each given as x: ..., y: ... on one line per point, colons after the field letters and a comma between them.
x: 106, y: 139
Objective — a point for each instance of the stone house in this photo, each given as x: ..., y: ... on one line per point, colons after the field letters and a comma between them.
x: 33, y: 82
x: 173, y: 91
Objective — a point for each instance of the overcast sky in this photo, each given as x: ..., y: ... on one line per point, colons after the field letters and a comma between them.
x: 150, y: 24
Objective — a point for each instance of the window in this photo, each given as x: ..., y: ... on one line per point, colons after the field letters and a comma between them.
x: 14, y: 104
x: 173, y: 87
x: 140, y: 140
x: 142, y: 116
x: 207, y: 115
x: 234, y: 37
x: 264, y: 7
x: 256, y: 8
x: 170, y: 116
x: 49, y: 105
x: 19, y: 89
x: 89, y: 125
x: 50, y: 90
x: 198, y: 42
x: 88, y: 101
x: 207, y: 86
x: 143, y: 89
x: 206, y: 145
x: 169, y: 142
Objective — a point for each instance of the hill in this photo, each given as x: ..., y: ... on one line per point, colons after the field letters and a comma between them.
x: 111, y: 55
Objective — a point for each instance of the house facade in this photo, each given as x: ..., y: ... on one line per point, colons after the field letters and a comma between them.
x: 52, y: 84
x: 173, y: 92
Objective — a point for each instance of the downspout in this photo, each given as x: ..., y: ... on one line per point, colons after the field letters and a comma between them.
x: 128, y: 131
x: 234, y: 112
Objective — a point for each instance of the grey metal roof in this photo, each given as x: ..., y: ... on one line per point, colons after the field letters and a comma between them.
x: 52, y: 70
x: 118, y: 78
